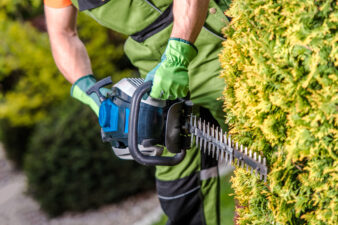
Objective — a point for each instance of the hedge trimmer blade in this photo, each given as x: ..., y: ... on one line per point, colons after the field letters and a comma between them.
x: 213, y: 141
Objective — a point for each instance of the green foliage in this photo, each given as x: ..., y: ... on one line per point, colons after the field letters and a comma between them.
x: 227, y: 201
x: 280, y: 66
x: 31, y: 83
x: 20, y: 10
x: 30, y: 80
x: 70, y: 169
x: 68, y: 166
x: 15, y: 141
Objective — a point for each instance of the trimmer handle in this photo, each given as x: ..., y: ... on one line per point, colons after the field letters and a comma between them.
x: 96, y: 88
x: 132, y: 135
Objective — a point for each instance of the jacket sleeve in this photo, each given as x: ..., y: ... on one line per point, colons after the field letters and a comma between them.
x: 57, y: 3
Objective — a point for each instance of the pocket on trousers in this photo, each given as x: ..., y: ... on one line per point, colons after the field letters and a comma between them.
x: 181, y: 200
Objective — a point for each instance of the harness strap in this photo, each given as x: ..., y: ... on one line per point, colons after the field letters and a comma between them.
x: 90, y: 4
x: 164, y: 20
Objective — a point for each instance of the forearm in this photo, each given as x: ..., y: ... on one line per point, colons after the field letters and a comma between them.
x: 189, y: 17
x: 70, y: 56
x: 69, y: 53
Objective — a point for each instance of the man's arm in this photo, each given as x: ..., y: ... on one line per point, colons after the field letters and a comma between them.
x: 69, y: 53
x: 189, y: 17
x: 170, y: 78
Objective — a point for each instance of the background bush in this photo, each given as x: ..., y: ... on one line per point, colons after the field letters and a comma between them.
x: 280, y: 67
x: 15, y: 140
x: 30, y: 83
x: 70, y: 170
x: 67, y: 165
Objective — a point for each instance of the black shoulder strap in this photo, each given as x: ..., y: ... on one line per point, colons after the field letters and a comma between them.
x: 90, y: 4
x: 164, y: 20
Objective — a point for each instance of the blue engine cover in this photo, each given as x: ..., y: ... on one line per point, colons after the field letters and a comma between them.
x: 114, y: 121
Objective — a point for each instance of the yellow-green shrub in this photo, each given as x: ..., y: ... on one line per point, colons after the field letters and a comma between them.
x: 30, y: 84
x: 280, y: 67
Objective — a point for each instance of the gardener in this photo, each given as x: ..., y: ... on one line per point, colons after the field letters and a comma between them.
x: 169, y: 46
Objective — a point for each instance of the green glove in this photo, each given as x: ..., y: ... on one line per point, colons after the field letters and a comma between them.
x: 79, y: 89
x: 170, y: 76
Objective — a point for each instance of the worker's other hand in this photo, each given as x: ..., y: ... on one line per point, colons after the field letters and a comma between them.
x: 79, y: 89
x: 170, y: 77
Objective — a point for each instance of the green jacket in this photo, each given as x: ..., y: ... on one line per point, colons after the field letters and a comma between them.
x: 131, y: 16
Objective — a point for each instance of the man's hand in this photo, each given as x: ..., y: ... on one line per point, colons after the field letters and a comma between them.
x: 81, y: 86
x: 170, y: 76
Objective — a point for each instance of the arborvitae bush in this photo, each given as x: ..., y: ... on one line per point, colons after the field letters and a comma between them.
x: 280, y: 67
x: 68, y: 167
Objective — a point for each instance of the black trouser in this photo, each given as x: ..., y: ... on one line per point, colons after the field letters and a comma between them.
x: 189, y: 192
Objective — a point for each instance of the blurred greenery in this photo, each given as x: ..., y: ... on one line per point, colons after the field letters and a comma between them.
x: 57, y: 138
x: 15, y: 139
x: 21, y: 10
x: 30, y: 82
x: 70, y: 169
x: 162, y: 221
x: 227, y: 201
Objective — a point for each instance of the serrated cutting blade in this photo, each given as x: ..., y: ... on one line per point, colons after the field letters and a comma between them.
x: 212, y: 141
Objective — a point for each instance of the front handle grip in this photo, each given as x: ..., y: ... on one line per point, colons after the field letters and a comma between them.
x: 132, y: 135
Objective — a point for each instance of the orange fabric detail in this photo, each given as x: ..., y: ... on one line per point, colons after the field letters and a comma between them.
x: 58, y: 3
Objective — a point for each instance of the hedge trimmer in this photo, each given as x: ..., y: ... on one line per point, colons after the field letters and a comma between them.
x: 138, y: 127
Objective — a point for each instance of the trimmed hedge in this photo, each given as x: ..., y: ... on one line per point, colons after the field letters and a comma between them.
x: 280, y: 68
x: 70, y: 169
